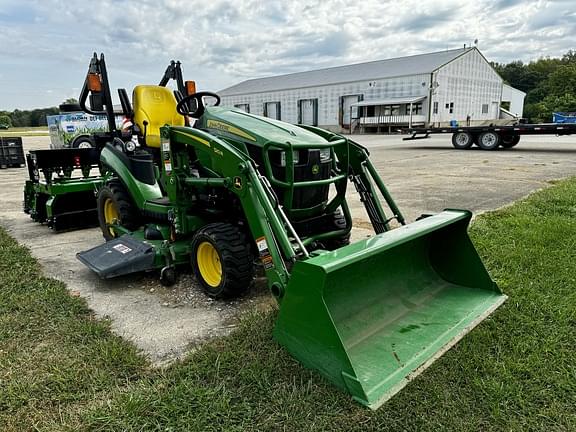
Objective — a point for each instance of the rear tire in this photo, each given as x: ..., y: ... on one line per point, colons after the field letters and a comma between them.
x: 83, y: 142
x: 114, y: 202
x: 510, y: 141
x: 462, y: 140
x: 488, y: 140
x: 222, y: 260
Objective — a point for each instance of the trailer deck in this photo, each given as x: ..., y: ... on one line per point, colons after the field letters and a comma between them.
x: 491, y: 137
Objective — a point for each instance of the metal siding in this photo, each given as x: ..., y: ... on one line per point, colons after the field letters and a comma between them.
x: 468, y: 82
x: 329, y: 97
x: 516, y: 99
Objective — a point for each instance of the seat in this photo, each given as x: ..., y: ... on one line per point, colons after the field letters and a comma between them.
x: 154, y: 107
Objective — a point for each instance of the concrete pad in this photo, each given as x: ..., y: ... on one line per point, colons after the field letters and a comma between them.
x: 424, y: 176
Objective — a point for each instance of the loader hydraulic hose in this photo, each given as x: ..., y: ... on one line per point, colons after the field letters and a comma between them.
x: 376, y: 215
x: 384, y: 191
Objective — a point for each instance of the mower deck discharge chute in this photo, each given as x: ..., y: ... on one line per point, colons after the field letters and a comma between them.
x: 372, y: 315
x: 235, y: 189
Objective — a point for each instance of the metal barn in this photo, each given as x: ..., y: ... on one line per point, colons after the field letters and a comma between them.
x: 426, y: 89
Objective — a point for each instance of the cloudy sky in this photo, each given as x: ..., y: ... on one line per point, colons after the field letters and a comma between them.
x: 45, y: 45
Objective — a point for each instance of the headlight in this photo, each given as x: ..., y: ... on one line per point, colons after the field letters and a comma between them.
x: 325, y: 154
x: 283, y: 157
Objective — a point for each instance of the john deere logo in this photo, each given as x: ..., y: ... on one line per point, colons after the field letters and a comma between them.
x: 315, y: 169
x: 237, y: 183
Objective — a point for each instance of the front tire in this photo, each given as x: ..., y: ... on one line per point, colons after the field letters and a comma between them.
x: 338, y: 242
x: 222, y: 260
x: 115, y: 206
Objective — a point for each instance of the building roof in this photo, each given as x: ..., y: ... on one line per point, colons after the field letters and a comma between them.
x: 400, y: 66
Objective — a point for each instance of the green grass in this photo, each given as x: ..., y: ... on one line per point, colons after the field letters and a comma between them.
x: 60, y: 369
x: 25, y: 131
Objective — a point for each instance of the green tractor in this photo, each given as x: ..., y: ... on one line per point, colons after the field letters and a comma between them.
x: 225, y: 191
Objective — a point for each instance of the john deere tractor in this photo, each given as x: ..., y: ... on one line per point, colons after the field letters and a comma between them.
x: 223, y: 191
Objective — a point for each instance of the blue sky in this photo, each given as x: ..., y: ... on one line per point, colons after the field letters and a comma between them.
x: 45, y: 45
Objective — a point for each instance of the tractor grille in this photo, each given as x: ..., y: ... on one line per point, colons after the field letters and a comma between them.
x: 308, y: 168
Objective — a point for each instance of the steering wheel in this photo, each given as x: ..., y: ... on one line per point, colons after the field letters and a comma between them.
x: 183, y: 107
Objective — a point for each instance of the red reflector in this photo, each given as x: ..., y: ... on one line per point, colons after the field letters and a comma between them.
x: 77, y: 160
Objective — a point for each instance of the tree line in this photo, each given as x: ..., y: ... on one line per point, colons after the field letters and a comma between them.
x: 549, y: 84
x: 26, y: 118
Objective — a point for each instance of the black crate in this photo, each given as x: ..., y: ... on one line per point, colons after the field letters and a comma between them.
x: 11, y: 152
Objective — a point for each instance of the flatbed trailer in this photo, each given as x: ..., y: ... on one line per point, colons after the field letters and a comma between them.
x: 492, y: 137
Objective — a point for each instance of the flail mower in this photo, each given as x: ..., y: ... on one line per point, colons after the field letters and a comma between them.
x: 223, y: 191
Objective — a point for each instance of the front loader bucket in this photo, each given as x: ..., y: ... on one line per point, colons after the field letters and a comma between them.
x: 372, y: 315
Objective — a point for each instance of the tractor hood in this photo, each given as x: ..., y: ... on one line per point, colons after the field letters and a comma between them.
x: 238, y: 125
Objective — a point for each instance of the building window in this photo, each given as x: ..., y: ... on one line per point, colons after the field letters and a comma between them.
x: 370, y: 111
x: 416, y: 108
x: 451, y: 107
x: 308, y: 112
x: 395, y: 109
x: 435, y: 108
x: 484, y: 108
x: 272, y: 110
x: 243, y: 107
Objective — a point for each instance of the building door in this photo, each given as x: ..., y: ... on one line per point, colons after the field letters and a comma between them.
x: 308, y: 112
x: 272, y: 110
x: 347, y: 112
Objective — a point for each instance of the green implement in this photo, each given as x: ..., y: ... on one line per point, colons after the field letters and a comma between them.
x: 372, y: 315
x: 61, y: 190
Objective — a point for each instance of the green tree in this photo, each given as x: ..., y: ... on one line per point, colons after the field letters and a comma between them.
x: 5, y: 120
x: 562, y: 81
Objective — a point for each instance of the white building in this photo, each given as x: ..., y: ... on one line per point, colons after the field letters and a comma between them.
x: 433, y: 88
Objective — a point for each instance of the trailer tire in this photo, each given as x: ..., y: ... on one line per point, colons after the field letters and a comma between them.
x: 222, y: 260
x: 114, y: 202
x: 488, y: 140
x: 462, y: 140
x: 83, y: 142
x: 509, y: 141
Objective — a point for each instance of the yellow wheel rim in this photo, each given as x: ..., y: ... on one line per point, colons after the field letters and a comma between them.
x: 110, y: 213
x: 209, y: 264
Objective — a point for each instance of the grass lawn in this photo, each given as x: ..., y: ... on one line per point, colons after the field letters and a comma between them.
x: 61, y: 369
x: 25, y: 131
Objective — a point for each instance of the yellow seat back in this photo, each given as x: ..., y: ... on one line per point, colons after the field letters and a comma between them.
x: 156, y: 106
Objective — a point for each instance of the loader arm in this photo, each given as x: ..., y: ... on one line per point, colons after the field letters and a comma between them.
x: 364, y: 175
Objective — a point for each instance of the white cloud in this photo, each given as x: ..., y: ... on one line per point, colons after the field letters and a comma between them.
x: 46, y: 45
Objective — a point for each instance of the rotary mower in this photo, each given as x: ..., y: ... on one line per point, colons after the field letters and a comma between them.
x: 225, y: 192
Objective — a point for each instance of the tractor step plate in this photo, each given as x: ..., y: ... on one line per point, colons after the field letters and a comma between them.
x: 118, y: 257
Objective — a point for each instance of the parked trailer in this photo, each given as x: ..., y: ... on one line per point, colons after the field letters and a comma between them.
x: 492, y: 137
